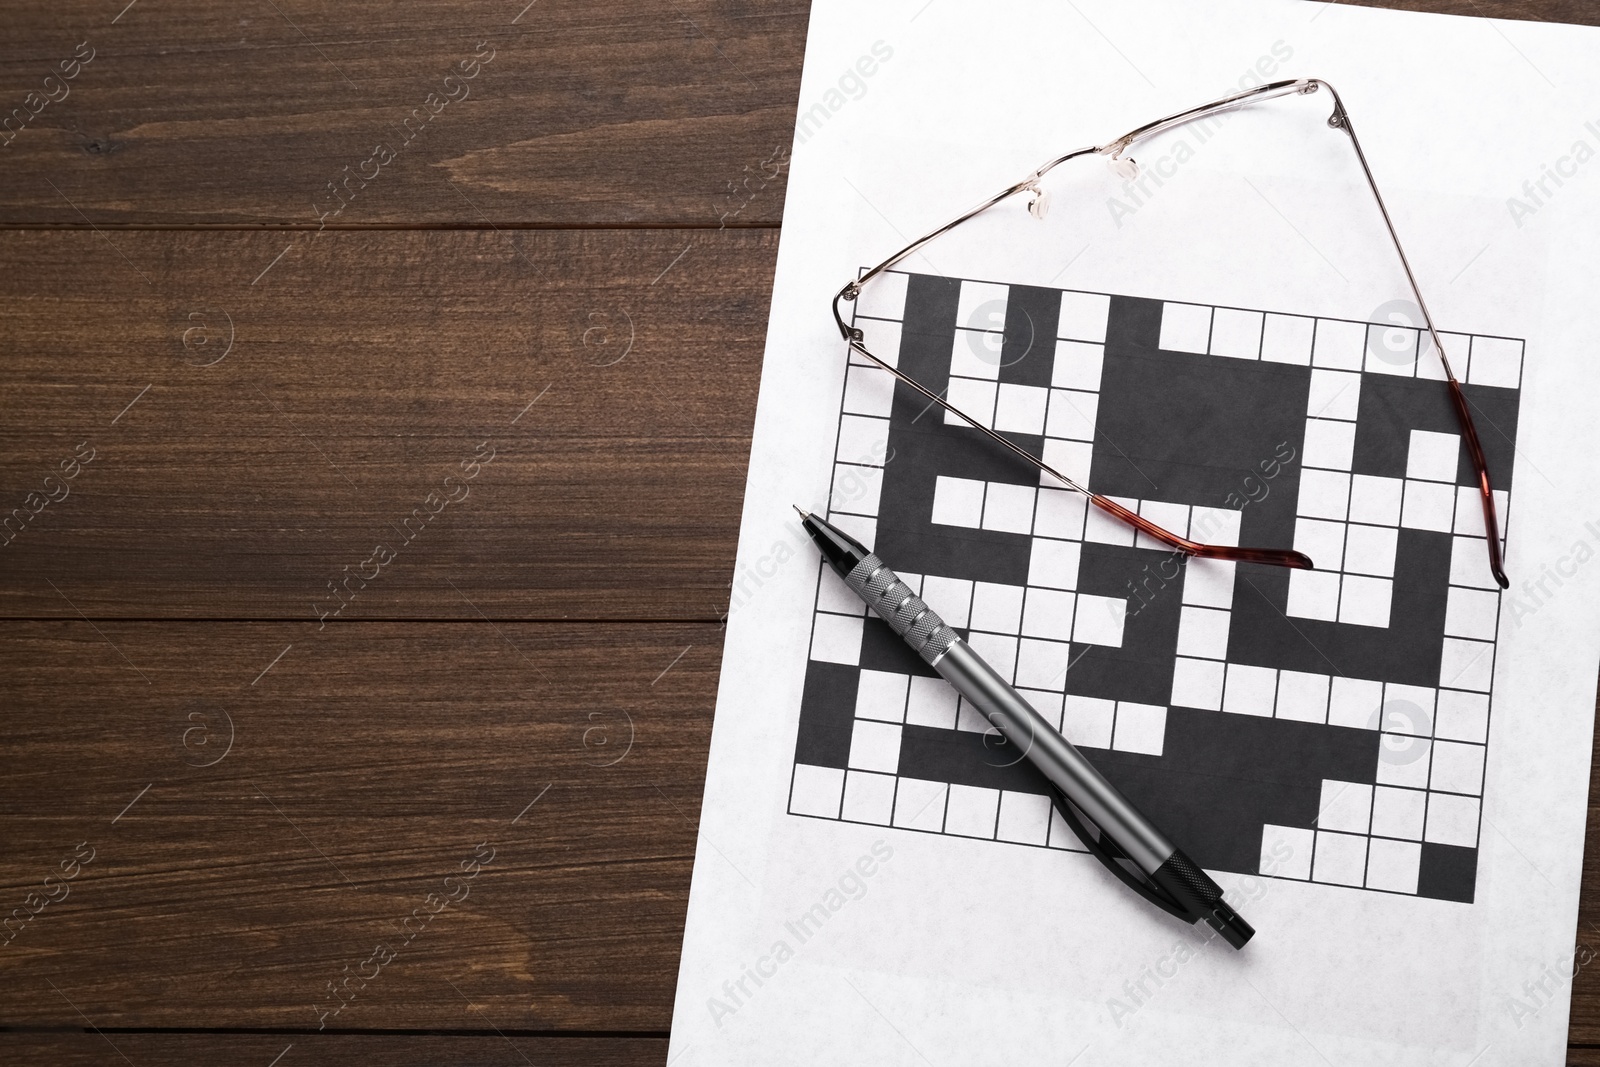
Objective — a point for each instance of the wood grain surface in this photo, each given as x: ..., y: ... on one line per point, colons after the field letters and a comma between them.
x: 480, y: 284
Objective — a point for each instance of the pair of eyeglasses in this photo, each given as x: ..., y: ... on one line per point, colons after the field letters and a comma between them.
x: 1127, y: 168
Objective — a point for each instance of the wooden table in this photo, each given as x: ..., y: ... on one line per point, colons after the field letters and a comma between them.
x: 377, y: 391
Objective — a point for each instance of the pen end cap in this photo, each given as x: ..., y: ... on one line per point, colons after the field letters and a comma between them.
x: 1230, y: 924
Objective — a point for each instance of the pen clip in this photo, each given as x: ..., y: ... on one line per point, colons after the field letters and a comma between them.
x: 1117, y: 861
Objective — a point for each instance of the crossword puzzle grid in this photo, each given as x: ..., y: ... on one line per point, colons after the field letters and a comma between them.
x: 1338, y: 716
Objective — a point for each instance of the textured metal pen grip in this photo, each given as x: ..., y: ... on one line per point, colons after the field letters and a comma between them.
x: 902, y: 609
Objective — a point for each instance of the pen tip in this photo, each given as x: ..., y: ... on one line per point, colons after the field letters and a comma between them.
x: 802, y: 514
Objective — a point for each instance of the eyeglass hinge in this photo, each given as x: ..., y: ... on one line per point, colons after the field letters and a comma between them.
x: 1340, y: 119
x: 851, y: 291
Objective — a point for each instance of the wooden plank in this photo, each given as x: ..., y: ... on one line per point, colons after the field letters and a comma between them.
x: 607, y: 113
x: 612, y: 374
x: 222, y: 885
x: 89, y: 1049
x: 587, y: 114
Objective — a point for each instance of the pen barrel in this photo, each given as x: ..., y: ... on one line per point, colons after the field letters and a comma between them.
x: 902, y: 609
x: 1053, y: 755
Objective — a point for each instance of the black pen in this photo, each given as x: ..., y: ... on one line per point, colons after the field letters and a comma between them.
x: 1109, y: 825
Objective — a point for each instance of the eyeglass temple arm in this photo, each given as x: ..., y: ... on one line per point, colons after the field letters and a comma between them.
x: 1340, y: 120
x: 1277, y: 557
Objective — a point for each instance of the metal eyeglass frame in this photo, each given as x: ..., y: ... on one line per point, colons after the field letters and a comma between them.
x: 1127, y: 168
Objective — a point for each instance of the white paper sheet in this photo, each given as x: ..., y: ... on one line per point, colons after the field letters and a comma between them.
x: 814, y: 939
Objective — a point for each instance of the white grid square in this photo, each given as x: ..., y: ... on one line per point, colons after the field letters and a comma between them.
x: 862, y: 438
x: 1462, y: 716
x: 881, y: 695
x: 1433, y: 456
x: 972, y: 811
x: 1355, y: 702
x: 834, y: 596
x: 1071, y: 458
x: 1393, y: 865
x: 1072, y: 414
x: 1471, y: 613
x: 1345, y: 806
x: 816, y: 791
x: 1048, y: 614
x: 1340, y: 859
x: 1403, y: 760
x: 1375, y: 499
x: 1236, y: 333
x: 1287, y: 339
x: 1324, y: 494
x: 919, y: 804
x: 1428, y: 506
x: 1024, y: 818
x: 931, y: 702
x: 1054, y: 564
x: 1339, y: 345
x: 1215, y: 526
x: 1469, y: 563
x: 837, y: 639
x: 1059, y: 514
x: 1099, y: 620
x: 884, y: 297
x: 1392, y: 350
x: 1408, y: 709
x: 996, y: 608
x: 1208, y: 582
x: 1197, y: 683
x: 1140, y: 728
x: 868, y: 391
x: 1330, y: 443
x: 1203, y: 632
x: 882, y: 339
x: 1286, y: 851
x: 1087, y: 721
x: 1452, y: 820
x: 958, y: 501
x: 1322, y: 540
x: 1250, y: 690
x: 1008, y: 508
x: 1105, y: 529
x: 875, y: 746
x: 1365, y: 601
x: 868, y: 798
x: 1371, y: 550
x: 1185, y: 328
x: 1457, y: 767
x: 974, y: 397
x: 1083, y: 316
x: 1495, y: 361
x: 1020, y: 408
x: 1078, y: 365
x: 1171, y: 517
x: 1466, y: 664
x: 950, y: 597
x: 1334, y: 395
x: 1313, y: 595
x: 1302, y: 697
x: 1469, y: 512
x: 1398, y: 812
x: 856, y: 489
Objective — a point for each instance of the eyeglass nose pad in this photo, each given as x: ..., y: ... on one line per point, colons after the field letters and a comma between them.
x: 1039, y: 203
x: 1126, y: 169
